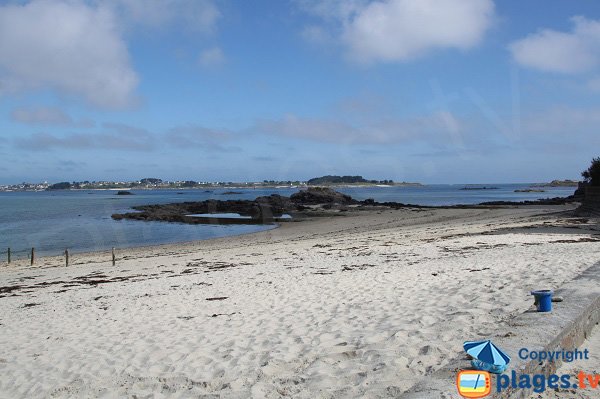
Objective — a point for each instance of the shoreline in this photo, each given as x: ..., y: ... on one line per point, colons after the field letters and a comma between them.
x: 137, y: 250
x: 376, y: 207
x: 140, y: 251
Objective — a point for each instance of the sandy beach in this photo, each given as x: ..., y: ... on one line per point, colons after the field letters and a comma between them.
x: 355, y: 306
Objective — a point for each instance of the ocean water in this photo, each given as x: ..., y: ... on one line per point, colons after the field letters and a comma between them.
x: 52, y: 221
x: 446, y: 194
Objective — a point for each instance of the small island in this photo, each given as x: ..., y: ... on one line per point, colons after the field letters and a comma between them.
x: 558, y: 183
x: 530, y: 190
x: 334, y: 180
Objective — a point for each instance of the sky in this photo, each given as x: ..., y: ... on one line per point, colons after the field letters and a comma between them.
x: 431, y: 91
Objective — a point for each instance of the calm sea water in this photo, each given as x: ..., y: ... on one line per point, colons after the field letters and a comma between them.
x: 80, y: 220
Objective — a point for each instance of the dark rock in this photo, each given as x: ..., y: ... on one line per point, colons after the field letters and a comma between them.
x: 321, y: 195
x: 479, y: 188
x: 262, y: 210
x: 277, y: 202
x: 580, y: 192
x: 268, y: 208
x: 544, y: 201
x: 60, y: 186
x: 124, y: 192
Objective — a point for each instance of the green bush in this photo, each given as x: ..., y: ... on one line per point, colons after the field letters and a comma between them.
x: 65, y: 185
x: 592, y: 174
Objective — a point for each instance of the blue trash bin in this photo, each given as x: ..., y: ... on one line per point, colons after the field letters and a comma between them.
x: 543, y: 300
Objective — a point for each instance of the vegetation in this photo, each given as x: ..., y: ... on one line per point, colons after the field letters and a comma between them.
x: 592, y: 174
x: 324, y: 180
x: 150, y: 180
x: 558, y: 183
x: 65, y: 185
x: 563, y: 183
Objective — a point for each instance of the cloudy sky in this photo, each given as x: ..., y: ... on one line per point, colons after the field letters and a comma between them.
x: 458, y: 91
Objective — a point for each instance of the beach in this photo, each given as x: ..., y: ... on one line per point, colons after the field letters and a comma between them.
x: 363, y: 305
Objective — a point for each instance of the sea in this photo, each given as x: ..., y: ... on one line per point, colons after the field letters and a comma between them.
x: 80, y: 220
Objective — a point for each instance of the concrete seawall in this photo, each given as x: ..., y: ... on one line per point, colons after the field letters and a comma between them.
x: 566, y: 327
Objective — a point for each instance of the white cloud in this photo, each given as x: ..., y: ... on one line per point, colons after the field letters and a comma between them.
x: 46, y: 116
x: 211, y: 57
x: 76, y: 47
x: 565, y: 52
x: 41, y: 116
x: 402, y: 30
x: 427, y: 128
x: 66, y: 46
x: 115, y: 136
x: 194, y: 136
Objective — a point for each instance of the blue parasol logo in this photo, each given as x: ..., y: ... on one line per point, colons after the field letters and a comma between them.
x: 487, y: 356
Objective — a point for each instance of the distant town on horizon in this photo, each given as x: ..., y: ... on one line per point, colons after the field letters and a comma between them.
x: 157, y: 183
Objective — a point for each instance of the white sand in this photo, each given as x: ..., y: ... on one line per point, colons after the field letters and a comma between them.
x: 359, y: 306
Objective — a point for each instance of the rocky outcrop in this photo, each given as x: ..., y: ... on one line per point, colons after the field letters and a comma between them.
x: 264, y: 209
x: 277, y: 204
x: 312, y: 202
x: 479, y: 188
x: 544, y: 201
x: 261, y: 210
x: 321, y: 195
x: 563, y: 183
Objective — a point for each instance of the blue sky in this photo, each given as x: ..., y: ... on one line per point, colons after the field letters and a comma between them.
x: 435, y: 91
